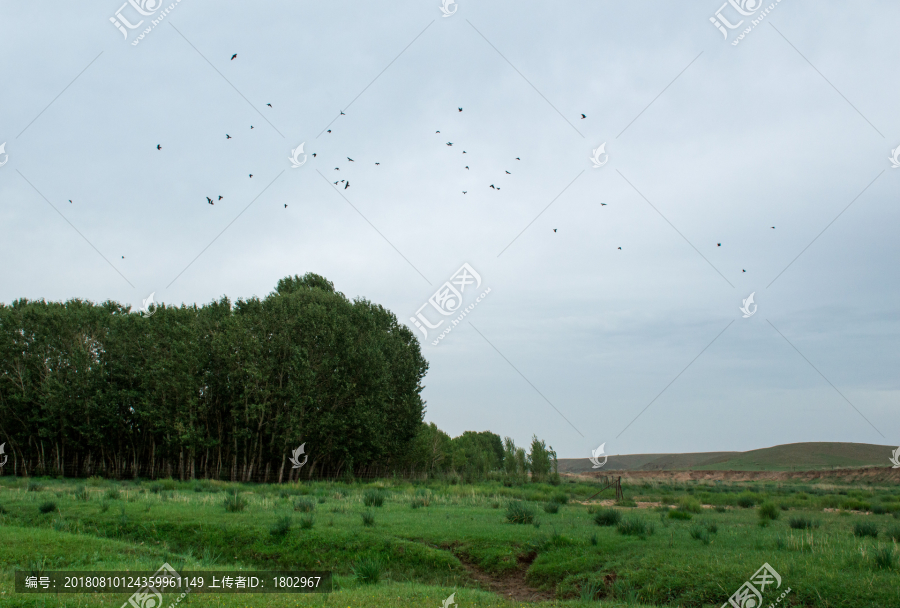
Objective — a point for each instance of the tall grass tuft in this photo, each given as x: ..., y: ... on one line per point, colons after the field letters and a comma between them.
x: 517, y: 512
x: 34, y: 486
x: 305, y: 505
x: 768, y: 510
x: 373, y: 498
x: 634, y: 526
x: 591, y: 591
x: 368, y: 570
x: 700, y: 533
x: 607, y: 517
x: 47, y: 507
x: 368, y: 519
x: 234, y: 502
x: 307, y: 522
x: 282, y: 527
x: 551, y: 507
x: 884, y: 557
x: 112, y: 494
x: 865, y: 528
x: 81, y: 493
x: 802, y: 523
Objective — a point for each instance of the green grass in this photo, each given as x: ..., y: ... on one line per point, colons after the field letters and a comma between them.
x: 518, y: 512
x: 607, y: 517
x: 425, y: 554
x: 865, y: 528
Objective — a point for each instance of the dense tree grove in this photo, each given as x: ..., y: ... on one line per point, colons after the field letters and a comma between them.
x: 228, y: 391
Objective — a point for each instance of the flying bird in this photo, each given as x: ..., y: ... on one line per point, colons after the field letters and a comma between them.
x: 335, y: 183
x: 517, y: 158
x: 337, y: 168
x: 342, y: 113
x: 465, y: 191
x: 347, y: 185
x: 377, y: 163
x: 233, y: 57
x: 221, y: 197
x: 744, y: 270
x: 718, y: 244
x: 464, y: 151
x: 554, y: 230
x: 467, y: 166
x: 437, y: 131
x: 329, y: 130
x: 285, y: 205
x: 460, y: 109
x: 70, y: 200
x: 620, y: 248
x: 209, y: 200
x: 449, y: 143
x: 251, y: 175
x: 351, y: 160
x: 583, y: 116
x: 251, y: 126
x: 603, y: 204
x: 773, y: 227
x: 492, y: 186
x: 314, y: 154
x: 508, y: 173
x: 268, y: 104
x: 227, y: 136
x: 158, y: 147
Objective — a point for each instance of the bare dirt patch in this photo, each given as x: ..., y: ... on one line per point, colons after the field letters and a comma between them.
x: 511, y: 584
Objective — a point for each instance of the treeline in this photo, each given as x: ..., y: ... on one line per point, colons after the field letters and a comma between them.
x: 222, y: 391
x: 229, y: 391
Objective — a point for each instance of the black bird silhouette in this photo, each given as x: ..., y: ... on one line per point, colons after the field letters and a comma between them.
x: 554, y: 230
x: 251, y: 126
x: 377, y: 163
x: 158, y: 147
x: 464, y: 191
x: 329, y: 130
x: 70, y: 200
x: 517, y: 158
x: 285, y: 205
x: 464, y: 151
x: 335, y: 183
x: 498, y: 188
x: 619, y: 247
x: 227, y: 136
x: 773, y: 227
x: 351, y: 160
x: 449, y: 143
x: 744, y: 270
x: 270, y: 105
x: 460, y: 109
x: 337, y: 168
x: 508, y: 173
x: 221, y: 197
x: 251, y: 175
x: 492, y: 186
x: 314, y: 154
x: 342, y: 113
x: 233, y: 56
x: 123, y: 257
x: 603, y: 204
x: 583, y: 116
x: 437, y: 131
x: 209, y: 200
x: 467, y: 166
x: 347, y: 185
x: 718, y: 244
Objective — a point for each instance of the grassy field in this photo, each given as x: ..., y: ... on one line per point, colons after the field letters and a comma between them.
x: 689, y: 545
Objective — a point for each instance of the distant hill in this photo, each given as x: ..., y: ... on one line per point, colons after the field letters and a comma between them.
x: 789, y: 457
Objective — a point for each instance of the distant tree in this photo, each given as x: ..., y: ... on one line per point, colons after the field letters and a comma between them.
x: 509, y: 457
x: 539, y: 460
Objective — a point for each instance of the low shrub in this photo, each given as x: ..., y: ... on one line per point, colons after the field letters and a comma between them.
x: 81, y: 493
x: 689, y: 505
x: 518, y: 512
x: 551, y: 507
x: 884, y: 557
x: 560, y: 497
x: 34, y: 486
x: 894, y: 533
x: 700, y: 533
x: 47, y: 507
x: 307, y: 522
x: 607, y: 517
x: 112, y: 494
x: 746, y: 500
x: 721, y: 508
x: 368, y: 519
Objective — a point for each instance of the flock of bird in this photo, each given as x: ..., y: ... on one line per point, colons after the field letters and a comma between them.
x: 346, y: 182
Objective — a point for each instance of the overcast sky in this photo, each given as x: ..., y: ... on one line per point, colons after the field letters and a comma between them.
x: 643, y: 348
